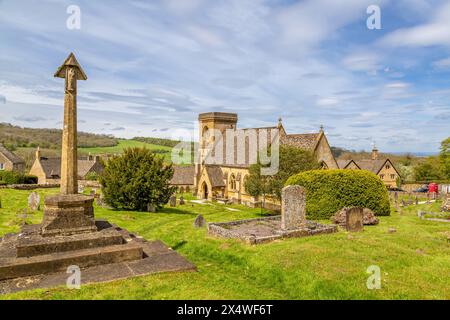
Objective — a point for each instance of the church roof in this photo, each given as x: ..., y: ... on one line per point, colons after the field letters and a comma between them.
x: 10, y: 155
x: 183, y: 175
x: 215, y: 176
x: 305, y: 141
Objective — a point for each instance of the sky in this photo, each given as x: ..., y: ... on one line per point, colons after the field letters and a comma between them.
x: 153, y: 66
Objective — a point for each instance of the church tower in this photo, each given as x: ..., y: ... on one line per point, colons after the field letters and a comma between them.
x: 220, y: 121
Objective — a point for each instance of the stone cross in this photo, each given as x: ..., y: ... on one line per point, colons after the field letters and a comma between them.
x: 71, y: 71
x: 293, y: 207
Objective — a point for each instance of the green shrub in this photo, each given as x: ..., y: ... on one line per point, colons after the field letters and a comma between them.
x: 135, y: 179
x: 328, y: 191
x: 91, y: 176
x: 13, y: 177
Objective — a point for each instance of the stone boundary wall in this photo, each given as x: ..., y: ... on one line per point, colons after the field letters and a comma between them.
x: 29, y: 186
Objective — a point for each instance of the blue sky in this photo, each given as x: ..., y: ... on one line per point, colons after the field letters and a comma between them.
x: 154, y: 65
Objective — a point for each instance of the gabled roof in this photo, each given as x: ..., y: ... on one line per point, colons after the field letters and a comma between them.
x: 342, y: 164
x: 183, y: 175
x: 305, y: 141
x: 10, y: 155
x: 215, y: 176
x: 372, y: 165
x: 52, y: 167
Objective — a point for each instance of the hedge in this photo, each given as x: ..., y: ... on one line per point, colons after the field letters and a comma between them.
x: 328, y: 191
x: 12, y: 177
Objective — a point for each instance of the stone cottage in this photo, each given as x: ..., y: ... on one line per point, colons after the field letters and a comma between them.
x: 382, y: 167
x: 9, y: 161
x: 48, y: 170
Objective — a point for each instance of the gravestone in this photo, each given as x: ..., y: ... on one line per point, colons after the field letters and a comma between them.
x: 199, y: 221
x: 151, y: 208
x: 417, y: 200
x: 396, y: 197
x: 34, y: 201
x: 293, y: 207
x: 354, y: 219
x: 173, y: 201
x: 182, y: 200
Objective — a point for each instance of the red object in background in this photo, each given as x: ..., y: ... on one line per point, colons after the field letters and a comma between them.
x: 433, y: 187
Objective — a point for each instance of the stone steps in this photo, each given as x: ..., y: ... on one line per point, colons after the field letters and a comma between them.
x: 56, y: 262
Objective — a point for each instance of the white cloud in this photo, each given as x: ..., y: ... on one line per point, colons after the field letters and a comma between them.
x: 442, y: 64
x: 434, y: 32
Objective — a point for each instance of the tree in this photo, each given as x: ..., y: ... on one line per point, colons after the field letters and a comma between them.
x: 428, y: 170
x: 135, y: 179
x: 292, y: 160
x: 444, y: 158
x: 256, y: 184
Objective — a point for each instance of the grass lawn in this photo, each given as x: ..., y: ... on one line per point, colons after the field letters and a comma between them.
x: 414, y: 261
x: 126, y: 144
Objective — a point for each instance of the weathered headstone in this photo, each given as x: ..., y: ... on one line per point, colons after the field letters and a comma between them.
x: 34, y: 201
x: 354, y: 219
x: 293, y: 207
x: 182, y: 202
x: 199, y: 221
x: 173, y: 201
x: 151, y: 208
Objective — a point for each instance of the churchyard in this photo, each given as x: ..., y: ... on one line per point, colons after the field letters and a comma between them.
x: 412, y: 253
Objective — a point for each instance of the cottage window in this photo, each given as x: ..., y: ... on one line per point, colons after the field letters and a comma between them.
x: 382, y: 176
x: 392, y: 176
x: 387, y: 167
x: 2, y: 166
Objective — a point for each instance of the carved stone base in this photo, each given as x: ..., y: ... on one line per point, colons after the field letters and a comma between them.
x: 67, y: 215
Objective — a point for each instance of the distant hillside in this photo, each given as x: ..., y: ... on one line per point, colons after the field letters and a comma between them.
x: 14, y: 137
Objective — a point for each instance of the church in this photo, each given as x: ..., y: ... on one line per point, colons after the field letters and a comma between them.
x: 225, y: 180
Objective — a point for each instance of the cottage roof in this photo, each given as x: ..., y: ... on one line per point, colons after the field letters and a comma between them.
x: 305, y: 141
x: 52, y: 167
x: 10, y: 155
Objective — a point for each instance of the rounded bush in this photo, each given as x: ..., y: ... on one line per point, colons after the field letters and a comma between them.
x: 328, y: 191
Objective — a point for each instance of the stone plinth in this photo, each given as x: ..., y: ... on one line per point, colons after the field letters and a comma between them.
x: 68, y: 214
x: 293, y: 208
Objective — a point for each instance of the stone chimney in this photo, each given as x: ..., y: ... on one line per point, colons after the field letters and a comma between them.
x: 374, y: 153
x: 90, y: 157
x: 97, y: 158
x: 38, y: 153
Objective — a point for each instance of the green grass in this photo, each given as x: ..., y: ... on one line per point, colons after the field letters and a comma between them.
x: 414, y: 261
x: 126, y: 144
